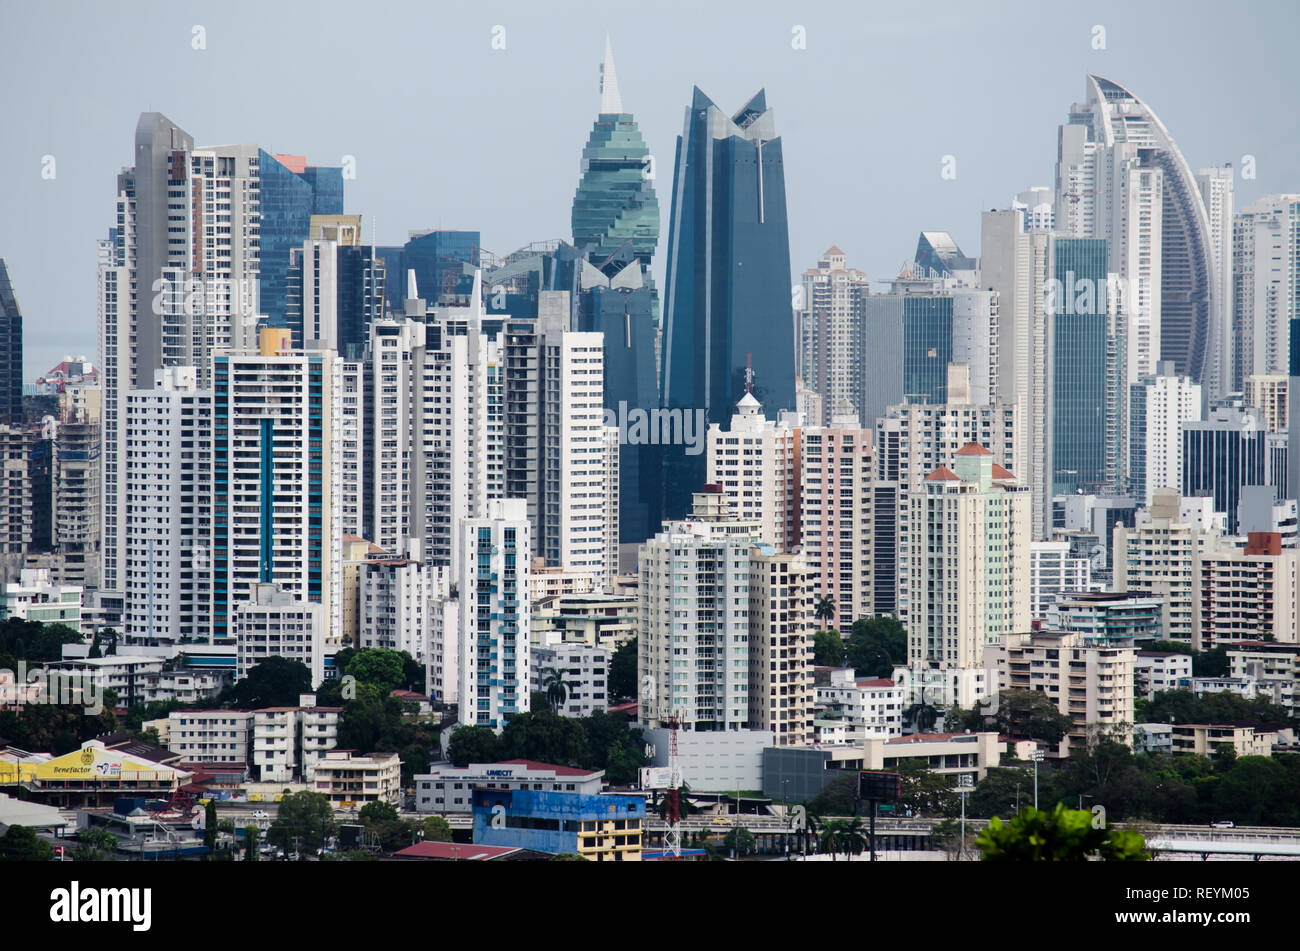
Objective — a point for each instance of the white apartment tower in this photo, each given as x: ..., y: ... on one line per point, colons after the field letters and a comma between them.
x: 756, y: 462
x: 968, y: 553
x: 168, y: 482
x: 277, y: 479
x: 780, y: 646
x: 830, y: 322
x: 495, y: 553
x: 693, y: 646
x: 1159, y: 405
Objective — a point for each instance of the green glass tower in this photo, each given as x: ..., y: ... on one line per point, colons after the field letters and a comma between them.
x: 615, y: 204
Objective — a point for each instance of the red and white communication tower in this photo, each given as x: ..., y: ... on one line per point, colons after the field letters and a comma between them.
x: 672, y: 805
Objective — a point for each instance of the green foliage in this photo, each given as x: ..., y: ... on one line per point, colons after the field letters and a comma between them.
x: 374, y: 722
x: 876, y: 645
x: 1224, y: 707
x: 1059, y: 835
x: 622, y: 681
x: 473, y: 744
x: 304, y: 819
x: 557, y: 690
x: 843, y: 836
x: 740, y: 840
x: 95, y: 845
x: 436, y: 829
x: 1031, y: 714
x: 56, y: 728
x: 839, y: 797
x: 275, y: 682
x: 210, y: 826
x: 251, y: 841
x: 34, y: 642
x: 21, y: 844
x: 382, y: 669
x: 824, y: 609
x: 567, y: 857
x: 924, y: 791
x: 595, y: 742
x: 828, y: 649
x: 377, y: 812
x: 1211, y: 663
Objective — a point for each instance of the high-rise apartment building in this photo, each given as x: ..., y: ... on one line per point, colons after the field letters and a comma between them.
x: 968, y: 560
x: 276, y: 479
x: 169, y: 485
x: 1265, y: 284
x: 1159, y: 406
x: 494, y: 561
x: 1222, y: 454
x: 757, y: 463
x: 780, y: 646
x: 830, y: 333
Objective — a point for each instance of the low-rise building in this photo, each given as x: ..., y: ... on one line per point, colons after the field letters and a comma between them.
x: 447, y: 788
x: 948, y: 754
x: 1274, y: 667
x: 1089, y: 680
x: 1204, y: 739
x: 1158, y: 671
x: 1153, y: 737
x: 1116, y: 616
x: 350, y: 781
x: 184, y: 686
x: 605, y: 827
x: 210, y: 736
x: 124, y: 674
x: 276, y: 624
x: 1245, y: 687
x: 598, y: 620
x: 36, y: 597
x: 868, y: 707
x: 584, y: 671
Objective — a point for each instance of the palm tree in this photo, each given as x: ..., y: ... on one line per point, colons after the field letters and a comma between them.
x: 557, y: 691
x: 825, y: 609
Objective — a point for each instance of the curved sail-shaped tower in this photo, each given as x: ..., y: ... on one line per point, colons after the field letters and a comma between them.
x: 1121, y: 177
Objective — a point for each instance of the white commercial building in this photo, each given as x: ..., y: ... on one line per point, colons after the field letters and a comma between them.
x: 350, y: 781
x: 584, y: 672
x: 1159, y: 671
x: 867, y: 707
x: 210, y: 736
x: 395, y: 601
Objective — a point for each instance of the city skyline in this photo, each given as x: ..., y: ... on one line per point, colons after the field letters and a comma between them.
x: 835, y: 165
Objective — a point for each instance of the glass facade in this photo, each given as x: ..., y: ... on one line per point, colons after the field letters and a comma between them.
x: 439, y: 259
x: 1077, y: 301
x: 11, y: 352
x: 727, y: 300
x: 615, y: 204
x: 287, y: 200
x: 927, y: 347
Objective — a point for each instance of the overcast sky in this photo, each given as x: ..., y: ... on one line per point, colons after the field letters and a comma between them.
x: 449, y: 132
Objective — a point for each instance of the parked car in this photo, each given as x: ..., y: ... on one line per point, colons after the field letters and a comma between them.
x: 1223, y: 824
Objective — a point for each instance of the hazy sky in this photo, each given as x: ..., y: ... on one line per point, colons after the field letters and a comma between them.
x: 449, y: 132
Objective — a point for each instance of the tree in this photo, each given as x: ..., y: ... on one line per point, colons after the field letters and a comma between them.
x: 377, y: 812
x: 568, y: 857
x: 473, y: 744
x: 544, y: 736
x: 925, y: 791
x: 839, y: 797
x: 825, y: 610
x: 876, y: 646
x: 275, y: 682
x: 622, y: 681
x: 436, y: 829
x: 380, y: 668
x: 1031, y: 714
x: 95, y: 845
x: 251, y: 834
x: 21, y: 844
x: 557, y: 691
x: 740, y: 840
x: 843, y: 835
x: 1061, y: 835
x: 828, y: 649
x: 305, y: 818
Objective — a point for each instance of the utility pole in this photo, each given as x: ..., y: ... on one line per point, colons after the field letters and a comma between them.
x: 1037, y: 757
x: 963, y: 789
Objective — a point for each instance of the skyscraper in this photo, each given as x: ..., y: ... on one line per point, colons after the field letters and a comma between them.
x: 615, y: 204
x: 1120, y: 177
x: 290, y: 193
x: 727, y: 315
x: 830, y: 335
x: 11, y: 352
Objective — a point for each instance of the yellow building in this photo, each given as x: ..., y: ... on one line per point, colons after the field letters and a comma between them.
x: 90, y: 776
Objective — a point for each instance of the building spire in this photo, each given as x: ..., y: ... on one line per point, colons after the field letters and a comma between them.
x: 611, y: 103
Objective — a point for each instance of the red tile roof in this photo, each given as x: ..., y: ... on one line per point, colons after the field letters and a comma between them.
x: 454, y: 850
x: 1001, y: 473
x: 559, y: 770
x: 942, y: 474
x: 973, y: 449
x: 877, y: 682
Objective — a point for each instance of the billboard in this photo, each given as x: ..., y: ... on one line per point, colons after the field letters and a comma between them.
x: 880, y: 787
x: 659, y: 777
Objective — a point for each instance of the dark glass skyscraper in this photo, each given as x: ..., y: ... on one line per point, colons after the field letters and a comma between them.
x: 1087, y: 406
x: 11, y: 352
x: 727, y: 299
x: 927, y: 347
x: 443, y: 262
x: 288, y: 196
